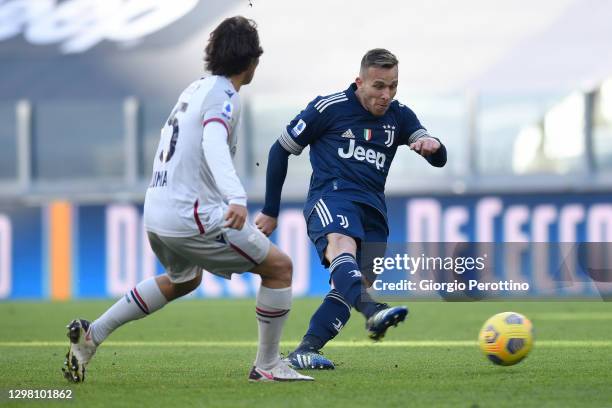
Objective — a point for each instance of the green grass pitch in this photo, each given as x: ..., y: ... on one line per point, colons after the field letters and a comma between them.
x: 199, y: 352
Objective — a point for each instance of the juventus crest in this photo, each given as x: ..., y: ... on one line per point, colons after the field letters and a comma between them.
x: 390, y: 131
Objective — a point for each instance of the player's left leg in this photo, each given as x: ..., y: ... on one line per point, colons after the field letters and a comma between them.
x: 325, y: 324
x: 145, y: 298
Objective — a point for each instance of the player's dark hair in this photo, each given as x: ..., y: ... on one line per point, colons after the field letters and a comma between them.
x: 378, y: 57
x: 232, y: 47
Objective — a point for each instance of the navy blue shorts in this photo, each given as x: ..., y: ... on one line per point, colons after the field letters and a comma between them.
x: 360, y: 221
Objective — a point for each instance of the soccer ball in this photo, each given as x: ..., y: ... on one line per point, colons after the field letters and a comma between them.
x: 506, y: 338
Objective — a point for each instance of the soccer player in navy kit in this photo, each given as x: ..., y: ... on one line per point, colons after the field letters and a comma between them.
x: 353, y: 137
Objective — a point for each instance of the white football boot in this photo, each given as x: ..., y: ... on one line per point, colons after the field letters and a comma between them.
x: 280, y: 372
x: 82, y: 349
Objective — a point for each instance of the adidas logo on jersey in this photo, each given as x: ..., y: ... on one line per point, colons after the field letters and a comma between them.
x: 348, y: 134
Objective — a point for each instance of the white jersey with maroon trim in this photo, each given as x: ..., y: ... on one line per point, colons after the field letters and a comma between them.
x: 183, y: 198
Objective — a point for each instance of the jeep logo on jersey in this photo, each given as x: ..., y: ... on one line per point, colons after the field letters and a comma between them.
x: 299, y: 128
x: 79, y: 25
x: 361, y: 154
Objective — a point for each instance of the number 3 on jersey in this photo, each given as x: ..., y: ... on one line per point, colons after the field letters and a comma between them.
x: 170, y: 133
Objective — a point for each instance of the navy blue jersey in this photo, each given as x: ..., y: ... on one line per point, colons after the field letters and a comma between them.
x: 351, y: 150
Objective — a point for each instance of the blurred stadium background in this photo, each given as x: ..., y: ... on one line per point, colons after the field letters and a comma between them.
x: 520, y: 92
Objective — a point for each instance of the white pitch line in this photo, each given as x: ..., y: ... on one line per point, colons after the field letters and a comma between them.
x: 407, y: 343
x: 571, y: 316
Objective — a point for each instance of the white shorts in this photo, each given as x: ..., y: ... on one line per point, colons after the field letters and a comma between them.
x: 222, y: 251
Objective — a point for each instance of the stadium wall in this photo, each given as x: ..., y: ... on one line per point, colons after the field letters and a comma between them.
x: 64, y: 250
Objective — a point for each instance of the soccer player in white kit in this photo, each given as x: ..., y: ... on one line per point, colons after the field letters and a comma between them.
x: 195, y: 212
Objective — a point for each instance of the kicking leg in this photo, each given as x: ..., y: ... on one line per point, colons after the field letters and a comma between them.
x: 346, y: 275
x: 347, y: 279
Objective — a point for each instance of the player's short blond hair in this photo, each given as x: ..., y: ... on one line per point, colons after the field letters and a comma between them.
x: 378, y: 57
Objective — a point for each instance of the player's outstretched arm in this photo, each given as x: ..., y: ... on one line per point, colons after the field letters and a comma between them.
x: 278, y: 161
x: 437, y: 158
x: 431, y: 149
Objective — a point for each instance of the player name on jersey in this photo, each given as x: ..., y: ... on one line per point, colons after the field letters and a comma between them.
x: 159, y: 179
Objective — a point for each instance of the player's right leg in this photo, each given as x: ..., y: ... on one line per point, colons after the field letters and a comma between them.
x: 348, y: 281
x: 145, y: 298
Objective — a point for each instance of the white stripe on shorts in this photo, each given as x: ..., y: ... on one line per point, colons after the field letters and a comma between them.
x: 323, y: 220
x: 322, y: 213
x: 324, y: 207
